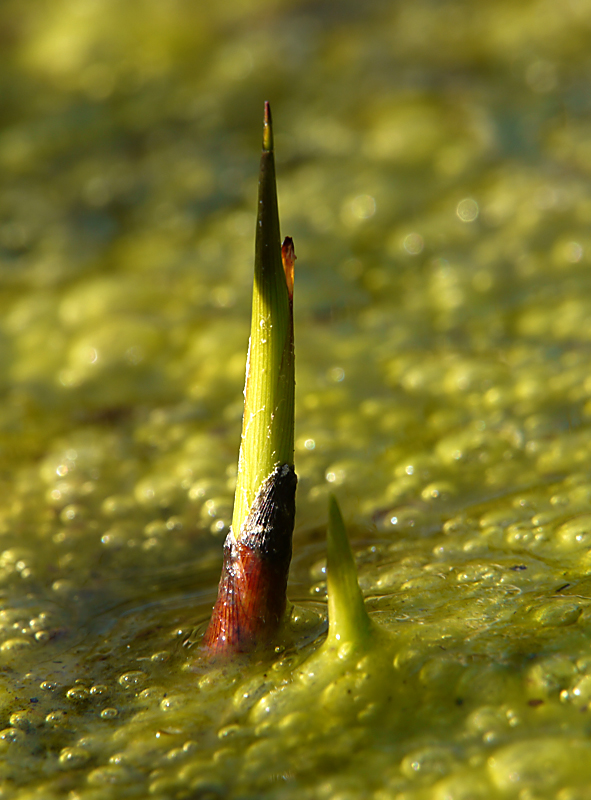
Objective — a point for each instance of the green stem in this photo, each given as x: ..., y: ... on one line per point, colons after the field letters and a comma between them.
x: 268, y: 423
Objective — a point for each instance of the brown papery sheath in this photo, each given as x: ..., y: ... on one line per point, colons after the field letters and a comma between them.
x: 252, y: 590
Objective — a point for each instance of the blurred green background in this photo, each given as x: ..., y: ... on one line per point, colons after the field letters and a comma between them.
x: 433, y: 165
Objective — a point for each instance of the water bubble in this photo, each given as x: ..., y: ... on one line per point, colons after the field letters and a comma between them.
x: 78, y: 694
x: 98, y: 690
x: 336, y: 374
x: 56, y: 718
x: 160, y: 657
x: 173, y: 703
x: 21, y: 719
x: 573, y: 252
x: 362, y: 207
x: 467, y: 210
x: 14, y: 644
x: 130, y: 680
x: 111, y: 775
x: 12, y: 735
x: 413, y: 244
x: 72, y: 757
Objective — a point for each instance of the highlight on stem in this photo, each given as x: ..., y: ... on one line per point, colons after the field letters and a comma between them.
x: 251, y: 598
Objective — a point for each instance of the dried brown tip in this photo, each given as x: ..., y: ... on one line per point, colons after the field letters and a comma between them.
x: 251, y: 594
x: 267, y: 129
x: 288, y: 257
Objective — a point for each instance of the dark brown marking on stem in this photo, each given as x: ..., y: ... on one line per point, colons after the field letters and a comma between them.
x: 252, y: 590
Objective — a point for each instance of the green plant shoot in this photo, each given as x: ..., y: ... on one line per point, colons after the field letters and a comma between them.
x: 268, y: 423
x: 251, y: 598
x: 348, y: 621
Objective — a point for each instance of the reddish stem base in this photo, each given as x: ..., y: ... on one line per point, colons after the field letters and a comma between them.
x: 252, y: 590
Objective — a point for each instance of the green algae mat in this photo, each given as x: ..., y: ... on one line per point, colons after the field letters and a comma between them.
x: 434, y: 167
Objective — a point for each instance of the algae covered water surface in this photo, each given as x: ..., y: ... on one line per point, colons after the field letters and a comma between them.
x: 433, y: 166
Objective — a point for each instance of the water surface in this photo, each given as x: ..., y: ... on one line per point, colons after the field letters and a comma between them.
x: 433, y: 165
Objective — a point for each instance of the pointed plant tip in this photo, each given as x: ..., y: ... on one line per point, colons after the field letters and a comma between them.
x: 348, y: 618
x: 334, y: 511
x: 267, y: 129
